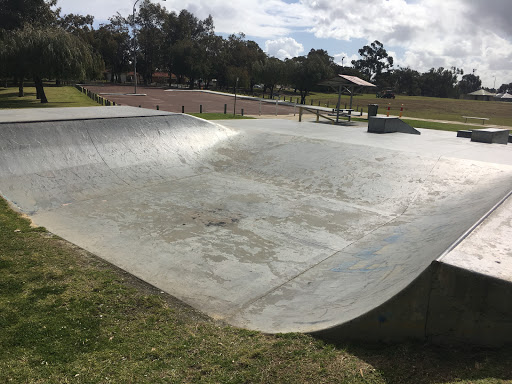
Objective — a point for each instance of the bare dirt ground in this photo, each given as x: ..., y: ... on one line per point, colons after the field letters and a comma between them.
x: 175, y: 100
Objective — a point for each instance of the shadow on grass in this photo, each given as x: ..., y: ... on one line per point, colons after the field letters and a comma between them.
x: 424, y: 363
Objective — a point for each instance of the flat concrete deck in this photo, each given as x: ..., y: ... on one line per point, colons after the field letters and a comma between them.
x: 268, y: 224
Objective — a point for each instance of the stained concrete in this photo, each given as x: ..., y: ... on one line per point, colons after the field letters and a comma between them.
x: 271, y: 225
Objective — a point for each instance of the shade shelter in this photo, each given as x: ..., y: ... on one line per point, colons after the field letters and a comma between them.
x: 346, y: 83
x: 481, y: 94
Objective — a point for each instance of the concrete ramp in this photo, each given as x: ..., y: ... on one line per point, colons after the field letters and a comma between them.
x: 381, y: 124
x: 270, y: 225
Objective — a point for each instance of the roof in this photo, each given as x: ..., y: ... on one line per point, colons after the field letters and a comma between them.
x: 481, y: 92
x: 346, y: 80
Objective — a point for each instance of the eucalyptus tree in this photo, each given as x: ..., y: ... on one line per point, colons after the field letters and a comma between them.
x: 374, y: 60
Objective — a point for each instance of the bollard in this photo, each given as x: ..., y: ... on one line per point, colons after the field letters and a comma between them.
x: 318, y: 102
x: 300, y: 114
x: 284, y: 98
x: 200, y: 108
x: 226, y: 108
x: 401, y: 110
x: 260, y: 107
x: 157, y: 107
x: 242, y: 111
x: 140, y: 106
x: 182, y: 109
x: 389, y: 109
x: 317, y: 115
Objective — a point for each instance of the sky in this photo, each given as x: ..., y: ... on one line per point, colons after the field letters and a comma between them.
x: 474, y: 35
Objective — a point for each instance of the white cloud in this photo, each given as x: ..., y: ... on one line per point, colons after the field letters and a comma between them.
x: 283, y: 48
x: 426, y: 33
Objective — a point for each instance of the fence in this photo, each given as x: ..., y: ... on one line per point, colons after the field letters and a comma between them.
x: 94, y: 96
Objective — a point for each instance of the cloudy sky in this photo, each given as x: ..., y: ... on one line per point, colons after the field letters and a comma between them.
x: 475, y: 35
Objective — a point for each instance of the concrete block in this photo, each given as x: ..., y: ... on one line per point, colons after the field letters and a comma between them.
x: 491, y: 135
x: 378, y: 124
x: 464, y: 133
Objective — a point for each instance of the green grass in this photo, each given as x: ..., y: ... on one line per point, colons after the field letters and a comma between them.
x: 438, y: 126
x: 65, y: 96
x: 68, y: 317
x: 499, y: 113
x: 219, y: 116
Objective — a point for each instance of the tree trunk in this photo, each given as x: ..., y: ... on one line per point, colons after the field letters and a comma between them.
x: 21, y: 91
x: 40, y: 90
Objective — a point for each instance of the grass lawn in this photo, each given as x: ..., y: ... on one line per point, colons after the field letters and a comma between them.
x: 499, y: 113
x: 219, y: 116
x: 69, y: 317
x: 66, y: 96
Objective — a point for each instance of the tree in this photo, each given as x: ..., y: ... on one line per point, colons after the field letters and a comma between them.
x: 470, y: 83
x: 375, y: 60
x: 17, y: 13
x: 439, y: 82
x: 112, y: 41
x: 505, y: 88
x: 150, y: 38
x: 307, y: 71
x: 46, y: 53
x: 237, y: 58
x: 270, y: 72
x: 407, y: 80
x: 190, y: 46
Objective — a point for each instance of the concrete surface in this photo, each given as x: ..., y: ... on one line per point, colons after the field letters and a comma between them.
x: 270, y: 225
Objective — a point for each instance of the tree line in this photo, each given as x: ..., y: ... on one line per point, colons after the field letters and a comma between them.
x: 37, y: 43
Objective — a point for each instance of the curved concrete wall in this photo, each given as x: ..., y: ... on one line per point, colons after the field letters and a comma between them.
x: 268, y: 229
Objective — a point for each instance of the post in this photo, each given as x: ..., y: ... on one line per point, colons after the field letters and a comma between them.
x: 242, y: 111
x: 338, y: 105
x: 157, y: 107
x: 276, y: 106
x: 389, y: 109
x: 234, y: 106
x: 225, y: 108
x: 200, y: 108
x: 260, y: 107
x: 134, y: 48
x: 401, y: 110
x: 300, y: 114
x: 182, y: 109
x: 317, y: 115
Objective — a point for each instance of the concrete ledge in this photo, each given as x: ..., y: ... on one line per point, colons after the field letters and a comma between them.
x: 491, y: 135
x: 378, y: 124
x: 464, y: 133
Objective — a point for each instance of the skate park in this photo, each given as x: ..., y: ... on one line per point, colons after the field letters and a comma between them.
x: 276, y: 225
